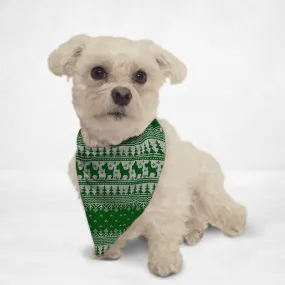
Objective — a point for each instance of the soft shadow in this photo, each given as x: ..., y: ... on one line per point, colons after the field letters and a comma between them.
x: 88, y: 251
x: 251, y: 230
x: 212, y: 231
x: 136, y: 249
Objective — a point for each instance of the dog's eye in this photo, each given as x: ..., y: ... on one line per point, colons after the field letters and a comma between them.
x: 98, y: 73
x: 140, y: 77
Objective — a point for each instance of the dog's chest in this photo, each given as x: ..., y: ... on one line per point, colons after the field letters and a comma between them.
x: 117, y: 183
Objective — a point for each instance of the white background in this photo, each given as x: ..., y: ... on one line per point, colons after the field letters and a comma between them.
x: 232, y: 104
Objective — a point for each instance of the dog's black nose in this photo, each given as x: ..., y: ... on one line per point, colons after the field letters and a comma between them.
x: 121, y: 96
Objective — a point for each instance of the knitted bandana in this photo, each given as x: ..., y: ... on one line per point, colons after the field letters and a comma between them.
x: 117, y: 182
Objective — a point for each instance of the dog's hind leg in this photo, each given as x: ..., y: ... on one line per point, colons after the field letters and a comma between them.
x: 218, y: 208
x: 196, y: 225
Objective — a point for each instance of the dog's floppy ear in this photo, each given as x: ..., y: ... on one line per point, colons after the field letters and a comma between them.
x: 62, y: 60
x: 170, y: 65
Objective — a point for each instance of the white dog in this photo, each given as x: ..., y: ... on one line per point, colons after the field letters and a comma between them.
x: 190, y: 194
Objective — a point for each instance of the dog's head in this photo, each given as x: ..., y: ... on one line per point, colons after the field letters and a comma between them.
x: 115, y: 83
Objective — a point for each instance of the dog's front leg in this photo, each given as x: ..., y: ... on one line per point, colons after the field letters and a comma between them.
x: 164, y: 257
x: 114, y: 252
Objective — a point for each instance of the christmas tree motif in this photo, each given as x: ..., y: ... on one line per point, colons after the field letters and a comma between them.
x: 117, y: 190
x: 147, y: 189
x: 153, y: 145
x: 104, y: 190
x: 124, y: 151
x: 111, y: 191
x: 151, y: 150
x: 111, y: 152
x: 104, y: 152
x: 132, y: 150
x: 145, y: 148
x: 159, y: 148
x: 140, y: 189
x: 117, y: 153
x: 129, y: 190
x: 97, y: 152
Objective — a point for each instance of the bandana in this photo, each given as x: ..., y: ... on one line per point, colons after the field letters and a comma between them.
x: 117, y: 182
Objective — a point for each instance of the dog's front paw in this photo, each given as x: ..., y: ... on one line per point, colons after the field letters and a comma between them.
x: 194, y: 237
x: 237, y: 223
x: 111, y: 254
x: 165, y: 264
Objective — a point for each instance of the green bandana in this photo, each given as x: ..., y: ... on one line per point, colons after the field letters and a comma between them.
x: 117, y: 182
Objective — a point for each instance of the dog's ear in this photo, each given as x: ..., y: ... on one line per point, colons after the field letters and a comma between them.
x: 170, y: 65
x: 62, y: 60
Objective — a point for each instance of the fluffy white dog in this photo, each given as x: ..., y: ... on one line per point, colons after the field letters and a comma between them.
x: 190, y: 194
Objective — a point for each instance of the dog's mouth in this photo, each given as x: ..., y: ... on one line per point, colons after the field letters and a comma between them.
x: 117, y: 114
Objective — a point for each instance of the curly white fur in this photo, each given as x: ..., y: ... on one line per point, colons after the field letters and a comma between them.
x: 190, y: 194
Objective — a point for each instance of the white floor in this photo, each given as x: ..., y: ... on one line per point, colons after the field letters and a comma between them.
x: 44, y: 238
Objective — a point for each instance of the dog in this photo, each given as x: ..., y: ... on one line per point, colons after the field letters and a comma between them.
x: 109, y: 172
x: 151, y: 170
x: 138, y: 170
x: 123, y: 171
x: 116, y: 83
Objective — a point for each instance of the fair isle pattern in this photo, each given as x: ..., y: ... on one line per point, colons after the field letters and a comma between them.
x: 117, y: 182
